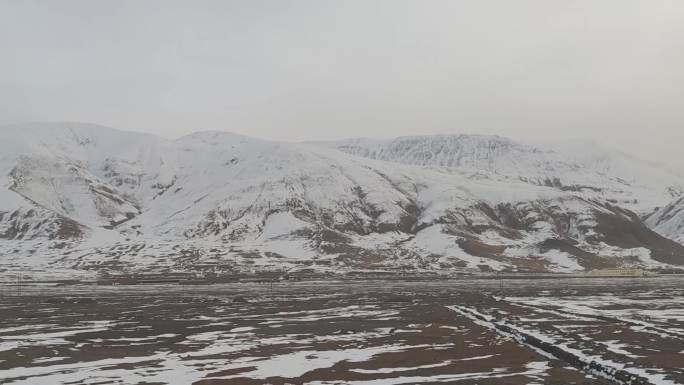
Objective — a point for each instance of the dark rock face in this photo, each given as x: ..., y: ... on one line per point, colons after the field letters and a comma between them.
x: 36, y: 223
x: 627, y: 232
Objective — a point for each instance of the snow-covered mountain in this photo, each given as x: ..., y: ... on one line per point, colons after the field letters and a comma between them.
x: 580, y: 166
x: 669, y: 220
x: 90, y: 198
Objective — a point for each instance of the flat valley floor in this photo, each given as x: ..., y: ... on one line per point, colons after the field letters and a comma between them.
x: 545, y: 331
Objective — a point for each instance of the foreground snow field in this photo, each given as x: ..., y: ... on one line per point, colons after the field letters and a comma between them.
x: 383, y: 332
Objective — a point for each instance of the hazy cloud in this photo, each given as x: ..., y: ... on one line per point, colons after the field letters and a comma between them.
x: 535, y: 70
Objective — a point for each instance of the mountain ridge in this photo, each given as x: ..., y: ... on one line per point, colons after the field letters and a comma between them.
x: 116, y: 200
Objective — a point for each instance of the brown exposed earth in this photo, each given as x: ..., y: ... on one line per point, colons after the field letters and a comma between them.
x: 342, y: 332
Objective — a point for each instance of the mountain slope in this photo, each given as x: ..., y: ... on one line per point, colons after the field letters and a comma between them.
x: 669, y: 220
x: 88, y: 198
x: 582, y: 167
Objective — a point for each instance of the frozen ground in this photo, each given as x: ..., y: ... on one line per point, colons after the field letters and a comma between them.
x: 384, y: 332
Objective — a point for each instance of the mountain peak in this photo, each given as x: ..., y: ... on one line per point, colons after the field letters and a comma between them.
x: 216, y: 137
x: 87, y: 196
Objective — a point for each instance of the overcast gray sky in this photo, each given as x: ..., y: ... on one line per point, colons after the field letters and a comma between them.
x: 533, y: 70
